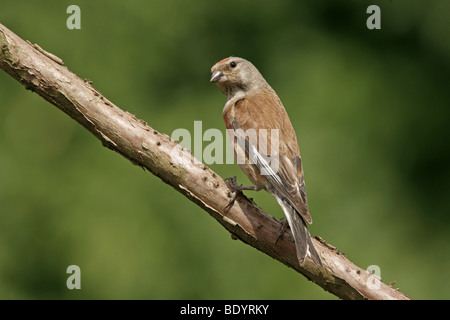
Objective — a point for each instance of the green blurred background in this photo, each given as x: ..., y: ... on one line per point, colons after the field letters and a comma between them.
x: 370, y: 108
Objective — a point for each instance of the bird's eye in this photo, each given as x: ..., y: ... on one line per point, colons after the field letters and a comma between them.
x: 233, y: 64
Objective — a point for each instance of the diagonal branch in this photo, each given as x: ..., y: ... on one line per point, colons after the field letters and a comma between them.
x: 135, y: 140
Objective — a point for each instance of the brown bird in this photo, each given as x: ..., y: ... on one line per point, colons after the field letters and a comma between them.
x: 265, y: 145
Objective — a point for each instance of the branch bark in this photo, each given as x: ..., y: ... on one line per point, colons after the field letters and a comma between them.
x: 121, y: 131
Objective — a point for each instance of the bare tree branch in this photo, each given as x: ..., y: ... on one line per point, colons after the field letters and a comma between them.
x: 122, y: 132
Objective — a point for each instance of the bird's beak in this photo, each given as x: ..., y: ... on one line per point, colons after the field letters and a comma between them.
x: 216, y: 76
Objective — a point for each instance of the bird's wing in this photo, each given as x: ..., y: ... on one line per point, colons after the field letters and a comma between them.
x: 265, y: 111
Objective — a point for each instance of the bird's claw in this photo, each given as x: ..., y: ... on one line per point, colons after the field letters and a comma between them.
x: 282, y: 229
x: 233, y: 199
x: 232, y: 184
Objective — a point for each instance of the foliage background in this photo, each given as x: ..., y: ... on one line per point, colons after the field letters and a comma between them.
x: 371, y: 109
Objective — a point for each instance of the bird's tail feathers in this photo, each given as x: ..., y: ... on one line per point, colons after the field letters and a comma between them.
x: 302, y: 238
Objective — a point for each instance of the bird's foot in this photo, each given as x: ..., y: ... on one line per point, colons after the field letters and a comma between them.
x: 282, y: 229
x: 233, y: 186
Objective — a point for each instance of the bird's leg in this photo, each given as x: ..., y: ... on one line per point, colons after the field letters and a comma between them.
x: 282, y: 229
x: 232, y: 184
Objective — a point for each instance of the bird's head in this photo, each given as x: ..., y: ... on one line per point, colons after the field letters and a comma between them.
x: 235, y: 74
